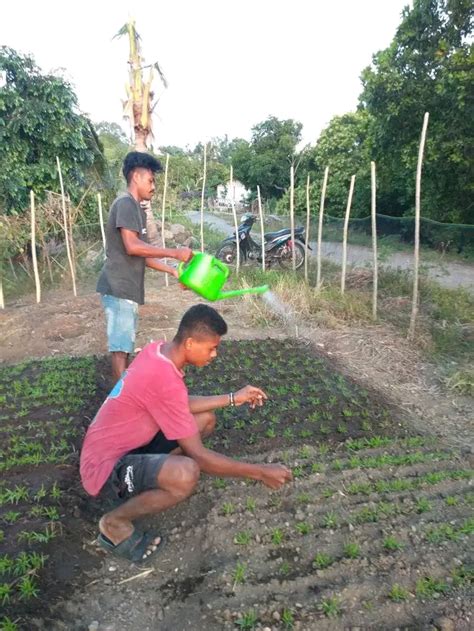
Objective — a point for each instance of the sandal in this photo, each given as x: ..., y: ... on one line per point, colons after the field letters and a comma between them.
x: 132, y: 548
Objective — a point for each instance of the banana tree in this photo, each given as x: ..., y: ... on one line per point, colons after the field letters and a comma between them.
x: 139, y: 105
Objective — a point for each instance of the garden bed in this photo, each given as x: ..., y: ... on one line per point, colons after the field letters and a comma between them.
x: 373, y: 532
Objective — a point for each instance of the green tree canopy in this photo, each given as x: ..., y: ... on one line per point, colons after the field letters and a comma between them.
x: 266, y: 160
x: 39, y: 120
x: 429, y: 66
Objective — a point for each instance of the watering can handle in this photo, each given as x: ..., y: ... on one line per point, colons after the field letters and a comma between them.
x: 221, y: 266
x: 182, y: 264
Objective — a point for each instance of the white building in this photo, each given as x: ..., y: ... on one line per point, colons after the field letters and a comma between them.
x: 225, y: 193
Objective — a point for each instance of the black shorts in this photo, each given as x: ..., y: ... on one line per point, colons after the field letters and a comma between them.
x: 137, y: 471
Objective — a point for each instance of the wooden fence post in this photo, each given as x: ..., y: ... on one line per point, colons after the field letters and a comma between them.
x: 320, y: 227
x: 344, y: 241
x: 163, y: 207
x: 236, y: 225
x: 65, y: 220
x: 101, y: 221
x: 306, y: 243
x: 416, y: 258
x: 2, y: 300
x: 292, y: 216
x: 374, y: 238
x: 262, y: 229
x: 33, y: 247
x: 202, y: 196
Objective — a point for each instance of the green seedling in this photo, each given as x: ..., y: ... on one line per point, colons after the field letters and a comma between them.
x: 303, y: 498
x: 351, y: 550
x: 337, y: 465
x: 451, y: 500
x: 305, y: 452
x: 5, y: 593
x: 6, y: 624
x: 390, y: 543
x: 306, y: 433
x: 322, y: 560
x: 55, y: 492
x: 228, y: 508
x: 423, y: 505
x: 462, y: 576
x: 11, y: 516
x: 298, y: 471
x: 250, y: 504
x: 316, y: 467
x: 242, y: 538
x: 288, y: 619
x: 328, y: 493
x: 270, y: 433
x: 398, y: 594
x: 429, y: 587
x: 248, y: 620
x: 331, y: 607
x: 277, y: 536
x: 28, y: 588
x: 303, y: 528
x: 239, y: 573
x: 220, y: 483
x: 285, y: 568
x: 288, y: 433
x: 342, y: 428
x: 330, y: 520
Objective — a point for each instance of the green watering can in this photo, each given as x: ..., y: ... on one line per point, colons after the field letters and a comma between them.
x: 206, y: 275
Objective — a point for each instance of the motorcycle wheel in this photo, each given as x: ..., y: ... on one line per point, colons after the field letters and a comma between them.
x: 227, y: 253
x: 286, y: 258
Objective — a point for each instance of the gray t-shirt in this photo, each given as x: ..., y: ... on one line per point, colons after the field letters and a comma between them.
x: 123, y: 276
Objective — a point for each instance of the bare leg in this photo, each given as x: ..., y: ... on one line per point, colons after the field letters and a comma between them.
x: 176, y: 481
x: 206, y: 421
x: 119, y: 364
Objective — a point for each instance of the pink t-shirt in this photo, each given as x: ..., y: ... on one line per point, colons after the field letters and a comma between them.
x: 151, y: 396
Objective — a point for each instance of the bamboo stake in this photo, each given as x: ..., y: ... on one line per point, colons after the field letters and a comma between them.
x: 236, y: 225
x: 374, y: 239
x: 101, y: 221
x: 292, y: 216
x: 306, y: 243
x: 262, y: 230
x: 2, y: 300
x: 33, y: 247
x: 416, y: 258
x: 65, y: 227
x: 12, y: 269
x: 71, y: 240
x: 163, y: 208
x: 320, y: 227
x: 344, y: 240
x: 202, y: 197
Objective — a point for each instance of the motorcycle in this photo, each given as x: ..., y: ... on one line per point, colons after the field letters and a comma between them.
x: 278, y: 246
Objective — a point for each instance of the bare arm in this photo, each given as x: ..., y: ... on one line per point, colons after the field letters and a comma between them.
x: 161, y: 266
x: 272, y: 475
x: 250, y: 394
x: 136, y: 247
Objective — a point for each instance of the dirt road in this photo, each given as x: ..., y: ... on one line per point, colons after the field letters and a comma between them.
x: 447, y: 274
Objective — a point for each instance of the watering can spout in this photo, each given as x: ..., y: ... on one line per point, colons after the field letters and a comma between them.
x: 240, y: 292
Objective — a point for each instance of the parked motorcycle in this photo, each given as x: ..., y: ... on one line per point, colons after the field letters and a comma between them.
x: 278, y: 246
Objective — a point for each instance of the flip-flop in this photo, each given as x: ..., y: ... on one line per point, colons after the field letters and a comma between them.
x: 132, y: 548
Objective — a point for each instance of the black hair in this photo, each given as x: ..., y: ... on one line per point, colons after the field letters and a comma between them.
x: 200, y: 321
x: 139, y: 160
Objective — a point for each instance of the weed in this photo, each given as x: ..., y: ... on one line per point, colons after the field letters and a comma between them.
x: 351, y: 550
x: 248, y: 620
x: 322, y: 560
x: 398, y: 594
x: 331, y: 607
x: 242, y: 538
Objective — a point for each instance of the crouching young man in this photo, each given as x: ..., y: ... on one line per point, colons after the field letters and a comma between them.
x: 144, y: 446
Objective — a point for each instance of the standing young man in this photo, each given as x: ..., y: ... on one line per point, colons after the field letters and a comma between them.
x: 145, y: 447
x: 122, y: 280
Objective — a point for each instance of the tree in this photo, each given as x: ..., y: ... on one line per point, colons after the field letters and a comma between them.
x: 266, y: 160
x: 428, y: 67
x: 116, y: 145
x: 39, y: 120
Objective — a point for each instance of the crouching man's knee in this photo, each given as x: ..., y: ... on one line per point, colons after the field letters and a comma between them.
x: 179, y: 475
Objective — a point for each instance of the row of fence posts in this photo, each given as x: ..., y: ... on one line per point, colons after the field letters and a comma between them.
x: 67, y: 226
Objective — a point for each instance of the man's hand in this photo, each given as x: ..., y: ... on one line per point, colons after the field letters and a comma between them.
x: 250, y: 394
x: 183, y: 254
x: 275, y: 475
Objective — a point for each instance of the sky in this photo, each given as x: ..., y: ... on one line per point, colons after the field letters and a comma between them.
x: 228, y: 65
